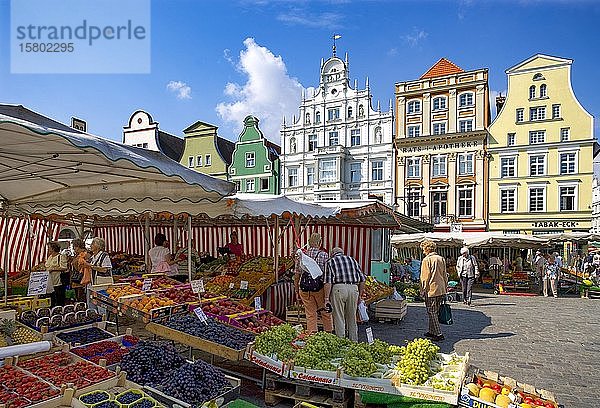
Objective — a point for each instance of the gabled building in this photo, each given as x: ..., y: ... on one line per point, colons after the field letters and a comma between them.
x: 339, y: 147
x: 143, y: 131
x: 205, y: 151
x: 542, y: 149
x: 255, y: 162
x: 441, y: 122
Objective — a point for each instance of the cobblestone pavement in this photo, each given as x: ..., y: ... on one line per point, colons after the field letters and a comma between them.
x: 550, y: 343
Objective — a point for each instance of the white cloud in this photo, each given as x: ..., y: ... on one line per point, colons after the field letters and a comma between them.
x: 269, y: 92
x: 415, y: 38
x: 299, y: 16
x: 227, y: 55
x: 392, y: 52
x: 181, y: 89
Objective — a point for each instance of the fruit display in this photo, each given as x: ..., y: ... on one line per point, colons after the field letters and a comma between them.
x: 115, y: 292
x: 224, y: 307
x: 212, y: 330
x: 61, y: 368
x: 150, y: 362
x: 257, y: 322
x: 146, y: 303
x: 59, y: 317
x: 184, y: 294
x: 414, y: 366
x: 123, y: 263
x: 83, y: 336
x: 277, y: 341
x: 12, y: 332
x: 109, y: 350
x: 20, y: 389
x: 94, y: 397
x: 128, y: 398
x: 196, y: 383
x: 319, y: 351
x: 375, y: 290
x: 161, y: 282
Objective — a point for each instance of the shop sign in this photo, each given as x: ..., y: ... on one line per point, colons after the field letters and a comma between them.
x: 268, y: 364
x: 369, y: 332
x: 316, y: 378
x: 147, y: 285
x: 441, y: 146
x: 257, y: 304
x: 197, y: 286
x: 555, y: 224
x: 38, y: 283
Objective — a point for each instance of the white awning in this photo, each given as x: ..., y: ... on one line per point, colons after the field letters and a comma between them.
x: 266, y: 205
x: 470, y: 239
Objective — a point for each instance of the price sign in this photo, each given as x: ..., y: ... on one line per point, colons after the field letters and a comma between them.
x: 147, y: 285
x: 198, y: 286
x: 231, y: 285
x: 257, y: 304
x: 38, y: 283
x: 201, y: 315
x: 244, y: 285
x: 369, y: 335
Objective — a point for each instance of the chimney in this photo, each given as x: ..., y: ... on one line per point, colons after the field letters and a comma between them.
x: 500, y: 102
x: 78, y: 124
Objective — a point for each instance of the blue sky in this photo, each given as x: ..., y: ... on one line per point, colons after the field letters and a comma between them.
x: 218, y: 61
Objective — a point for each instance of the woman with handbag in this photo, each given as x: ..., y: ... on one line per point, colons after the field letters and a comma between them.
x: 81, y: 271
x: 466, y: 267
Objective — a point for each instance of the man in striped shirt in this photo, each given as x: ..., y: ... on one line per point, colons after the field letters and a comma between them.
x: 344, y: 286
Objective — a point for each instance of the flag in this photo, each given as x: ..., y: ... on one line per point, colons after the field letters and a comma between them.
x: 337, y: 36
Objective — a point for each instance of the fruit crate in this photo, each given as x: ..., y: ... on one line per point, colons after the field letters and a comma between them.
x: 297, y: 315
x: 99, y: 293
x: 28, y: 332
x: 157, y: 314
x: 123, y: 386
x: 195, y: 342
x: 99, y: 325
x: 251, y: 322
x: 389, y: 309
x: 121, y: 341
x: 279, y: 389
x: 268, y: 363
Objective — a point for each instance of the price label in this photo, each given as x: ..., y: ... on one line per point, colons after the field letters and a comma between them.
x: 257, y: 304
x: 244, y: 285
x: 147, y: 285
x: 198, y: 286
x: 201, y: 315
x: 231, y: 285
x: 369, y: 332
x: 38, y: 283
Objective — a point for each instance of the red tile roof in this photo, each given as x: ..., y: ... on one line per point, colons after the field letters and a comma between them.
x: 441, y: 68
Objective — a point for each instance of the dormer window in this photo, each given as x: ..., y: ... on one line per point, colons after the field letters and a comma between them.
x: 538, y: 77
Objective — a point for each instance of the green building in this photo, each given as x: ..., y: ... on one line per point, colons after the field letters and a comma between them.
x: 255, y: 164
x: 205, y: 151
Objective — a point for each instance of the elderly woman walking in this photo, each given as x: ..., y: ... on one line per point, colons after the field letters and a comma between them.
x: 551, y: 275
x: 434, y: 282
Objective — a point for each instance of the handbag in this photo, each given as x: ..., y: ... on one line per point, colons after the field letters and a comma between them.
x: 445, y: 314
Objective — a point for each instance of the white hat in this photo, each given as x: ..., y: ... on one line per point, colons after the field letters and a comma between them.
x: 464, y: 250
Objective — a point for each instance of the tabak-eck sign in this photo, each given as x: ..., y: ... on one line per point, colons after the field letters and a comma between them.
x: 555, y: 224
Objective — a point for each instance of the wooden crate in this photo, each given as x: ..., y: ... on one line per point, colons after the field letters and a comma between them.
x: 297, y: 315
x: 278, y: 389
x: 390, y: 310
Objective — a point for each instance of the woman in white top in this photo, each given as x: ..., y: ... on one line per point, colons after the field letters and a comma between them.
x: 160, y: 256
x: 100, y: 263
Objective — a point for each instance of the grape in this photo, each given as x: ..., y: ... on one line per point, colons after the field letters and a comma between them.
x: 320, y: 349
x: 212, y: 330
x: 358, y: 361
x: 414, y: 366
x: 277, y: 340
x: 196, y: 383
x: 380, y: 350
x: 149, y: 362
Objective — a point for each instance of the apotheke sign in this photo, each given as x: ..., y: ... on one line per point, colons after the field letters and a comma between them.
x: 441, y: 146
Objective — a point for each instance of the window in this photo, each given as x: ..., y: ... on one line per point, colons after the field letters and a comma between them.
x: 377, y: 171
x: 307, y: 120
x: 413, y: 167
x: 333, y: 114
x: 536, y: 199
x: 413, y: 107
x: 438, y: 166
x: 355, y: 137
x: 355, y: 173
x: 465, y: 164
x: 532, y: 92
x: 543, y: 91
x: 538, y: 77
x: 537, y: 136
x: 439, y: 128
x: 414, y: 131
x: 510, y: 139
x: 439, y: 205
x: 567, y: 198
x: 439, y: 103
x: 465, y: 99
x: 312, y: 143
x: 568, y: 163
x: 556, y: 111
x: 378, y: 135
x: 350, y: 112
x: 292, y: 177
x: 508, y: 200
x: 327, y: 171
x: 537, y: 113
x: 238, y: 186
x: 293, y: 146
x: 310, y: 175
x: 333, y: 139
x: 250, y: 162
x: 520, y: 115
x: 191, y: 161
x: 318, y: 117
x: 250, y: 185
x: 207, y: 160
x: 508, y: 167
x: 264, y: 184
x: 199, y: 161
x: 564, y: 135
x: 465, y: 125
x: 537, y: 165
x: 413, y: 202
x: 465, y: 201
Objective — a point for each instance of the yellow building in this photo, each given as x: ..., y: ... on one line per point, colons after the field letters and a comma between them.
x: 542, y: 147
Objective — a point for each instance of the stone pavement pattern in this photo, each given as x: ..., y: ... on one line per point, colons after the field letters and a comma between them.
x: 550, y: 343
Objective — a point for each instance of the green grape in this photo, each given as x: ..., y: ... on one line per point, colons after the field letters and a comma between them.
x: 414, y: 366
x: 319, y: 350
x: 380, y: 350
x: 358, y: 361
x: 277, y: 340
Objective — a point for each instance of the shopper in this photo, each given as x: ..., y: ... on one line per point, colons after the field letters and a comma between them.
x: 551, y: 275
x: 312, y: 291
x: 81, y: 270
x: 538, y: 263
x: 160, y: 256
x: 344, y: 287
x: 495, y: 267
x: 55, y: 265
x: 235, y: 248
x: 100, y: 263
x: 558, y: 260
x: 434, y: 282
x: 467, y: 270
x: 414, y: 267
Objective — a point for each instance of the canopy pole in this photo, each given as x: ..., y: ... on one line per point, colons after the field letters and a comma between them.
x: 146, y: 239
x: 276, y: 249
x: 29, y: 243
x: 189, y: 252
x: 175, y: 236
x: 5, y: 260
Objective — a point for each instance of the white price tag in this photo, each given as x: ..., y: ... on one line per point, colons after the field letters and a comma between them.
x: 244, y: 285
x: 369, y: 335
x: 257, y: 304
x: 38, y: 283
x: 231, y: 285
x: 147, y: 285
x: 201, y: 315
x: 198, y: 286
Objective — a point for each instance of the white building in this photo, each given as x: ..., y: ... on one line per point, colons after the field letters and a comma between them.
x: 143, y: 131
x: 595, y: 206
x: 339, y: 147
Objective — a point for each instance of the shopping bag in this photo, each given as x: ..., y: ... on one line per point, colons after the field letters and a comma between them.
x: 445, y: 314
x: 310, y: 265
x: 363, y: 314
